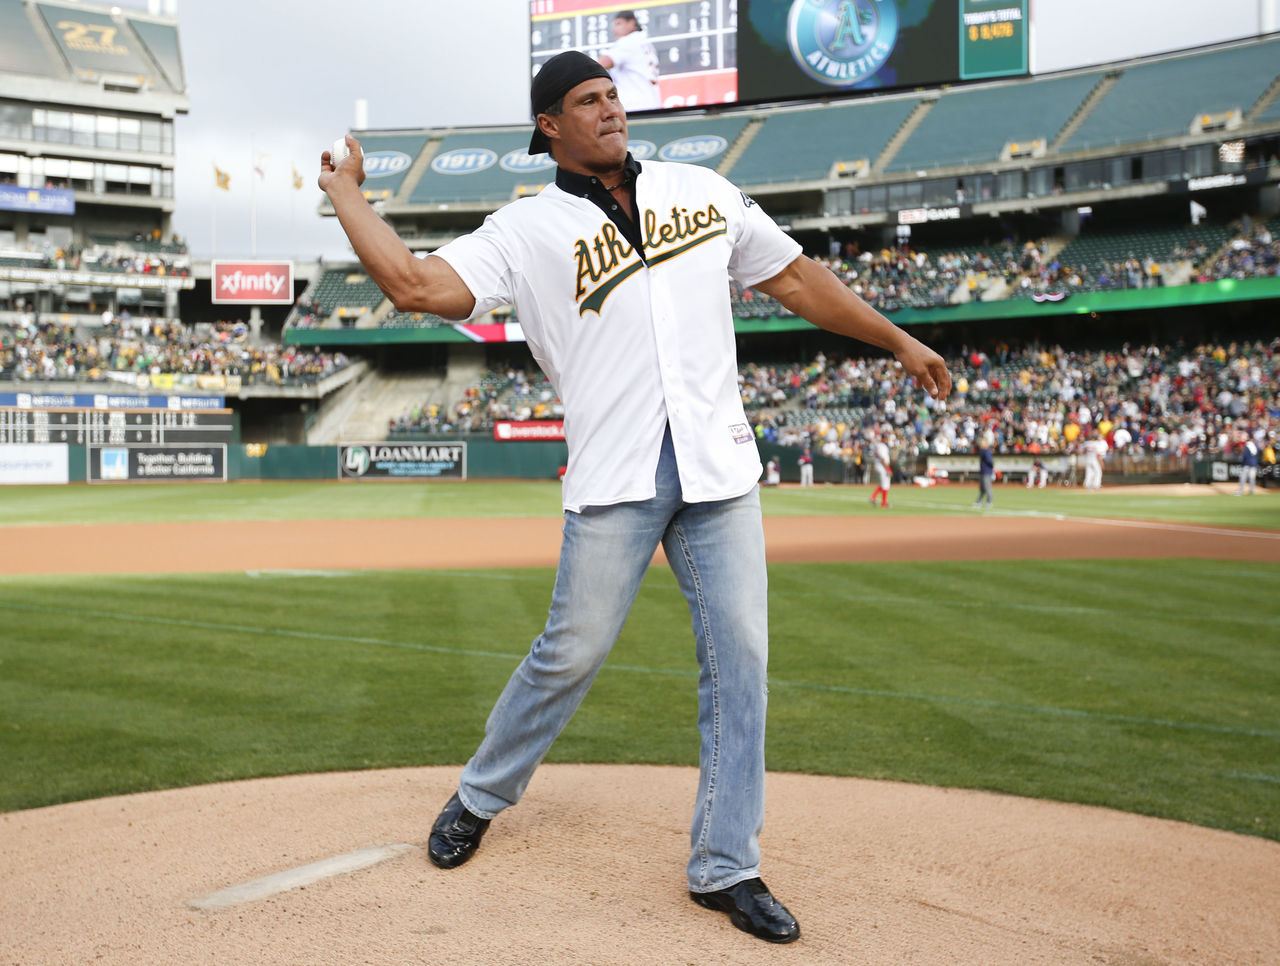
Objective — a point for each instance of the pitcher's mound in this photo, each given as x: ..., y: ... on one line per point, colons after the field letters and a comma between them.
x: 590, y: 869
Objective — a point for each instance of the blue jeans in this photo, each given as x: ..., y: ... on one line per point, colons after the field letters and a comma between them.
x: 716, y: 551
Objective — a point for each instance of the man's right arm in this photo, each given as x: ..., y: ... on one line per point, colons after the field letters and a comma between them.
x: 413, y: 284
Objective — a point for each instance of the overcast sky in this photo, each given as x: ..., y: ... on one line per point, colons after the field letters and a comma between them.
x: 266, y: 77
x: 272, y: 79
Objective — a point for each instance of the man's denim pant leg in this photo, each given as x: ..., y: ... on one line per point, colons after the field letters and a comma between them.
x: 716, y: 551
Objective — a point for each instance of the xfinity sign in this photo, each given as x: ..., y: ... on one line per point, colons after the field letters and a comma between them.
x: 253, y: 283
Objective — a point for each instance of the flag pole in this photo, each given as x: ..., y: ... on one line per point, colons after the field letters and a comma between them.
x: 213, y: 228
x: 253, y: 200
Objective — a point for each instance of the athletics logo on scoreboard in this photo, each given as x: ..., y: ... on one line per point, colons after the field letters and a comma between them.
x: 841, y: 43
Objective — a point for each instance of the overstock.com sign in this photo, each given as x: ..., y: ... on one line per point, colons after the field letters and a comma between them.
x: 253, y: 283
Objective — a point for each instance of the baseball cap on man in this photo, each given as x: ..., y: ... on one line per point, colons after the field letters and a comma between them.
x: 559, y: 75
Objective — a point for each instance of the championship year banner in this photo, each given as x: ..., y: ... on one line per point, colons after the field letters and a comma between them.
x: 131, y: 464
x: 403, y: 461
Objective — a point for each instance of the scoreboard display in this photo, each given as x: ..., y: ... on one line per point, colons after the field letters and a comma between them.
x: 720, y: 51
x: 91, y: 427
x: 696, y: 41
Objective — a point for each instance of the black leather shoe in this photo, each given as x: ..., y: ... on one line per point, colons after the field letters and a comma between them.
x: 752, y: 908
x: 456, y: 835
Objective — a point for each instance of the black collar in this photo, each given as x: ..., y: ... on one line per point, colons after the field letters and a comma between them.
x: 581, y: 185
x: 594, y: 190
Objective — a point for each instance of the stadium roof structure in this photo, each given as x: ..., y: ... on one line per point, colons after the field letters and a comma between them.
x: 1007, y: 145
x: 91, y: 55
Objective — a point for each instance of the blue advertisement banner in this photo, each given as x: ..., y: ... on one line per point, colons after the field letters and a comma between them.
x: 46, y: 201
x: 104, y: 400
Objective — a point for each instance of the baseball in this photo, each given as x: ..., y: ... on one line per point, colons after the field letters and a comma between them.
x: 338, y: 151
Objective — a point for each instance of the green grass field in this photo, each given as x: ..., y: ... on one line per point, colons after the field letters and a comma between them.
x: 1151, y: 686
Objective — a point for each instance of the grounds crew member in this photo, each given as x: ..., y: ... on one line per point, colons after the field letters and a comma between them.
x: 619, y: 273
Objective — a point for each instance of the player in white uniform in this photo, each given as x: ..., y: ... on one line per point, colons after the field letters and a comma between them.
x: 1095, y: 448
x: 633, y: 64
x: 883, y: 465
x: 618, y: 273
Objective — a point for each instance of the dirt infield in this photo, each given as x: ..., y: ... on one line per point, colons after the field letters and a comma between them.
x: 589, y: 868
x: 450, y: 544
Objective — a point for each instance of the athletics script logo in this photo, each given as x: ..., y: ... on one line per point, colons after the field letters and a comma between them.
x: 842, y: 42
x: 602, y: 262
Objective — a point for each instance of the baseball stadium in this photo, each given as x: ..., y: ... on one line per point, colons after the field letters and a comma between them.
x: 274, y: 538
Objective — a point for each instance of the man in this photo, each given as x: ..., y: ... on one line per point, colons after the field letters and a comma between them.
x: 806, y: 467
x: 1248, y: 464
x: 1095, y: 448
x: 986, y: 470
x: 617, y: 272
x: 882, y: 462
x: 633, y: 64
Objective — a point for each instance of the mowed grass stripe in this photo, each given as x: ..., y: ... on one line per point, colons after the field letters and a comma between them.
x: 615, y: 667
x: 1119, y: 694
x: 332, y: 500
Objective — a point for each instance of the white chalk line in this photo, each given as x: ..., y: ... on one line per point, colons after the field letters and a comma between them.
x: 295, y: 878
x: 1103, y: 521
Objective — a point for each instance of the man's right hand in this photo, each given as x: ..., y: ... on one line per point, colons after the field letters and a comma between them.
x: 351, y: 166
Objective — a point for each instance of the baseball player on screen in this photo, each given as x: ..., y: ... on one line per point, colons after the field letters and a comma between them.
x: 633, y: 64
x: 619, y: 272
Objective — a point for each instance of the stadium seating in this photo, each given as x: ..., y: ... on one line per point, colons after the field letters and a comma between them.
x: 804, y: 144
x: 1162, y: 99
x: 687, y: 139
x: 469, y: 167
x: 968, y: 126
x: 346, y: 289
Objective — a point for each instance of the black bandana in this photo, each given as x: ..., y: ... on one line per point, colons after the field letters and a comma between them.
x: 558, y: 76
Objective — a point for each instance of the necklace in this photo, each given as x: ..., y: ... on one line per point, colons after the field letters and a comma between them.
x: 616, y: 186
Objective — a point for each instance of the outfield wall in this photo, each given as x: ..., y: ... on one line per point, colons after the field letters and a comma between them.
x: 482, y: 457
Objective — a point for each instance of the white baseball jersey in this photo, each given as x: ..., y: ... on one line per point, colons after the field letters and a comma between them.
x: 635, y: 72
x: 881, y: 450
x: 630, y: 346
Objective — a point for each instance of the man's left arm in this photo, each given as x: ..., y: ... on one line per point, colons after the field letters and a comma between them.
x: 813, y: 292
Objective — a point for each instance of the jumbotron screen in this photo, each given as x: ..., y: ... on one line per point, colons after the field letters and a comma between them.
x: 722, y: 51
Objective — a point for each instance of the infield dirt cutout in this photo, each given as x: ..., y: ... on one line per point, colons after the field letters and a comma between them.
x: 589, y: 868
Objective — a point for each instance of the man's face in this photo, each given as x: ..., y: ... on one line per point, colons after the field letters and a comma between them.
x: 590, y: 134
x: 622, y: 26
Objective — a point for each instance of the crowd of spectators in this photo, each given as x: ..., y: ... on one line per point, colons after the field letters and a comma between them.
x: 1253, y: 253
x: 1171, y: 400
x: 1144, y: 400
x: 508, y: 393
x: 143, y: 257
x: 49, y: 351
x: 905, y: 277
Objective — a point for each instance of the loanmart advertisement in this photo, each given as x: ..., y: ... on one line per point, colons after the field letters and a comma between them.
x: 387, y: 461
